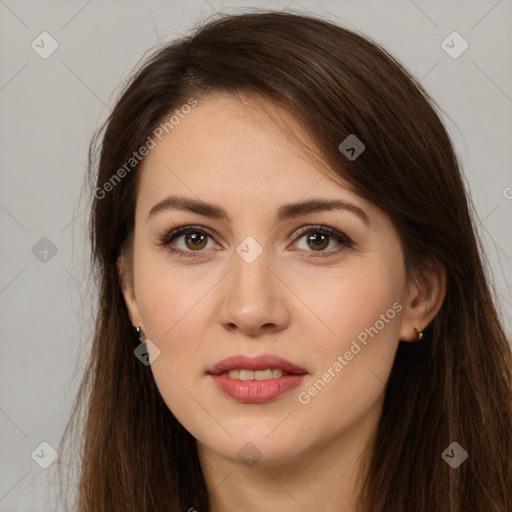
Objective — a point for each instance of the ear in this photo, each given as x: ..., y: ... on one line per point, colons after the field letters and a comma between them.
x: 425, y: 297
x: 125, y: 270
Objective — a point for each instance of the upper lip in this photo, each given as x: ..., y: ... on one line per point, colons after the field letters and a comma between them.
x: 262, y: 362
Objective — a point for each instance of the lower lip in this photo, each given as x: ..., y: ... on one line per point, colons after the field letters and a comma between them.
x: 257, y: 391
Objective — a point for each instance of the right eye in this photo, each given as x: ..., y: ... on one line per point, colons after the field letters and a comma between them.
x: 194, y: 238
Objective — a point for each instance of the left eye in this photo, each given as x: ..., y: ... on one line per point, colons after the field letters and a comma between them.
x: 317, y: 238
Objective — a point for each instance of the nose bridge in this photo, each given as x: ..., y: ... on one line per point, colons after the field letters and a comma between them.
x: 251, y: 277
x: 255, y: 296
x: 252, y: 256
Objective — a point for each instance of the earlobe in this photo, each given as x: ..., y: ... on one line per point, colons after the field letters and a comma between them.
x: 424, y: 301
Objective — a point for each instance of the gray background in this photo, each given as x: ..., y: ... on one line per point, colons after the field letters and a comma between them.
x: 51, y: 107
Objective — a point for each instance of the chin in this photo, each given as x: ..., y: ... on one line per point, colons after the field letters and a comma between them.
x: 257, y: 448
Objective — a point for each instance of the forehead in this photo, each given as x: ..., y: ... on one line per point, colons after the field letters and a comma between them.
x: 225, y: 136
x: 250, y: 157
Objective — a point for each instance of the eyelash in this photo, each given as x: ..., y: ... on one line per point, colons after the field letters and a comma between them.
x: 172, y: 235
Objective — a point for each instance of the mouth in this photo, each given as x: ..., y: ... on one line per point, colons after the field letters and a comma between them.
x: 256, y: 379
x: 264, y: 367
x: 244, y: 374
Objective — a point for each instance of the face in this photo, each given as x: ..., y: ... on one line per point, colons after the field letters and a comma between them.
x: 316, y: 293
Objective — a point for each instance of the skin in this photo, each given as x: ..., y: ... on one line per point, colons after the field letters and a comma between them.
x: 198, y: 310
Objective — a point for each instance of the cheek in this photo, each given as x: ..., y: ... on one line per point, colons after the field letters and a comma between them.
x: 176, y: 308
x: 342, y: 305
x: 356, y: 345
x: 172, y: 307
x: 168, y: 296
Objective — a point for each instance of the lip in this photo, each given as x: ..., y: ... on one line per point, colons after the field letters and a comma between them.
x: 255, y: 363
x: 256, y: 391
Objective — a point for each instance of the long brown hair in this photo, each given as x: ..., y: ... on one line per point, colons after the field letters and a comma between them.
x: 453, y: 387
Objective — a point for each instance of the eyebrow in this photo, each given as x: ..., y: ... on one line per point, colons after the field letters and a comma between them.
x: 286, y: 211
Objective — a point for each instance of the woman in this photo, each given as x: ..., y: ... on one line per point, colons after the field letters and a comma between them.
x: 293, y: 311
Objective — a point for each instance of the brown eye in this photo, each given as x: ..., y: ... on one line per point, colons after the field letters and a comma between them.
x: 317, y: 241
x: 195, y: 241
x: 186, y: 240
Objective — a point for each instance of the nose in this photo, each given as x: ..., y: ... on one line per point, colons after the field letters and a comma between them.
x: 256, y: 299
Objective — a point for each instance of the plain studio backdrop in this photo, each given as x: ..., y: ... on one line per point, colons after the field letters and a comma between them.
x: 62, y: 64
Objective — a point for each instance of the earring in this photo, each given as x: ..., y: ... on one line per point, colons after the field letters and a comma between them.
x: 140, y: 334
x: 419, y: 335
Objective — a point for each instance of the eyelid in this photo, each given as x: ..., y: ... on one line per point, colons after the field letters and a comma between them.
x: 321, y: 228
x: 172, y: 233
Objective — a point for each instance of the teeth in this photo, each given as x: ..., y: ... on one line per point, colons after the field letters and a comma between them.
x: 263, y: 374
x: 269, y: 373
x: 246, y: 375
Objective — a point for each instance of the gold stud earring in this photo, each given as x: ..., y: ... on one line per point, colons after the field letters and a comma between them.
x: 140, y: 334
x: 419, y: 335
